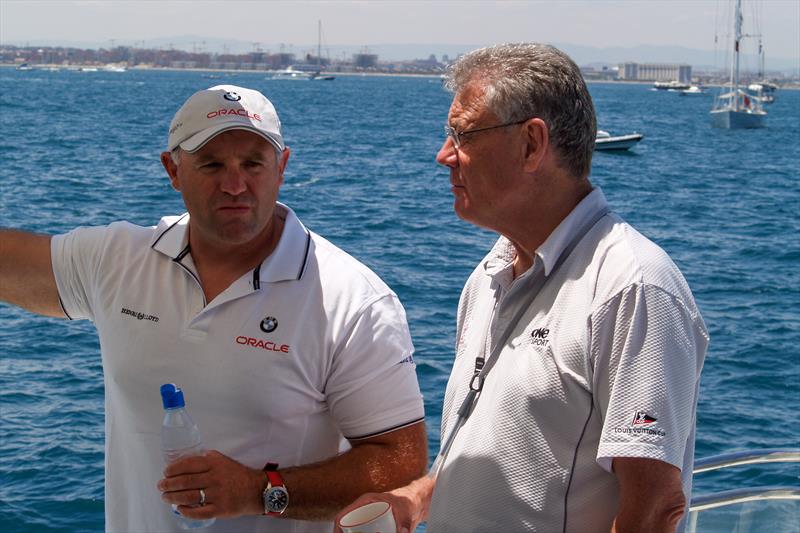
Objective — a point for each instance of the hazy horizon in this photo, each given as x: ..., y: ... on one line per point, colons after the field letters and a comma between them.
x: 357, y: 24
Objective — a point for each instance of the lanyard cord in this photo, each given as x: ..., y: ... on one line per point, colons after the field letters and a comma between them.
x: 482, y: 368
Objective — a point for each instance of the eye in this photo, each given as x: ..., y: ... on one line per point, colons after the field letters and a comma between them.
x: 210, y: 165
x: 253, y: 163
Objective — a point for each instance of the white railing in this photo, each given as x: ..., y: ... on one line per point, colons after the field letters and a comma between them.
x: 784, y: 516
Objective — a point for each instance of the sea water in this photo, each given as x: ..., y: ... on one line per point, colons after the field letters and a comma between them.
x: 81, y: 148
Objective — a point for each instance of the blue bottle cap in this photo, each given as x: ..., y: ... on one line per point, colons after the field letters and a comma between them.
x: 172, y: 396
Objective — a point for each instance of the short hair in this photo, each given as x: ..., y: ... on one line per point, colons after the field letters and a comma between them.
x: 526, y: 80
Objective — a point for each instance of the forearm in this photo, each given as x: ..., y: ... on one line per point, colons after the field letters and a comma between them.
x: 651, y: 496
x: 318, y: 491
x: 26, y: 273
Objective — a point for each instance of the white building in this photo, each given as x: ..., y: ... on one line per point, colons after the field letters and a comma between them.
x: 656, y: 72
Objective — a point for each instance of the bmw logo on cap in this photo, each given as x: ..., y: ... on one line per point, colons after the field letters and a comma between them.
x: 269, y: 324
x: 232, y: 96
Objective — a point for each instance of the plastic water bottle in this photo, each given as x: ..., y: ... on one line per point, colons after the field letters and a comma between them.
x: 180, y: 438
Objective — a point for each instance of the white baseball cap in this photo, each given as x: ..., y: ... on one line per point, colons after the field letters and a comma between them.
x: 221, y: 108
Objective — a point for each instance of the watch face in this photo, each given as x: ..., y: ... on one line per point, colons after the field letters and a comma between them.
x: 277, y: 499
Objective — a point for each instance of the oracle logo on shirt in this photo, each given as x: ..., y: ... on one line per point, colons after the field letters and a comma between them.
x: 264, y: 345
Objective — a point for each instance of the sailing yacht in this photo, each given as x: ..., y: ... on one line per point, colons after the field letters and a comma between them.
x: 318, y: 74
x: 736, y: 109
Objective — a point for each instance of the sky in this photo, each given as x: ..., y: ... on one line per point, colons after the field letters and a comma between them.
x: 599, y: 23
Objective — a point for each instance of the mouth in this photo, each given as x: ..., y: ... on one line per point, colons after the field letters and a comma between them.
x: 238, y: 208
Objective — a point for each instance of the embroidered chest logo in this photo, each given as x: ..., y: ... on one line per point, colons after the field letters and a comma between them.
x: 539, y: 337
x: 138, y: 315
x: 269, y: 324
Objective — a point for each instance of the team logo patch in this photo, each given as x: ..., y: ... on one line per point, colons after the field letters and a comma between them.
x: 231, y: 96
x: 539, y: 337
x: 640, y: 418
x: 269, y: 324
x: 642, y: 424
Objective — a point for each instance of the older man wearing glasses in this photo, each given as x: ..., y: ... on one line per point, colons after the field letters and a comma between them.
x: 571, y: 403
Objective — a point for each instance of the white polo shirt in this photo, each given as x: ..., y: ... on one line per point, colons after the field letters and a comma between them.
x: 604, y: 363
x: 309, y: 349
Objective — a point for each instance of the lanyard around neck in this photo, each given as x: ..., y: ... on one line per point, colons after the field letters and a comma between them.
x: 483, y: 366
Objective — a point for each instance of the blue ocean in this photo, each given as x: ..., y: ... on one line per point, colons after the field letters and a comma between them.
x: 81, y: 148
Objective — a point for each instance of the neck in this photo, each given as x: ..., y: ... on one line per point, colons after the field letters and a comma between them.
x: 535, y: 221
x: 220, y: 265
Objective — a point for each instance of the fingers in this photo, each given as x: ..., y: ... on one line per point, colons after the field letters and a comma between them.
x: 194, y: 464
x: 184, y: 482
x: 190, y: 497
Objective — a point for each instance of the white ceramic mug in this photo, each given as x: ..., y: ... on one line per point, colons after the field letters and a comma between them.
x: 375, y: 517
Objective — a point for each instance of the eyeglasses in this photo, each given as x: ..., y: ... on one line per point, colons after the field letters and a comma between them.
x: 456, y: 135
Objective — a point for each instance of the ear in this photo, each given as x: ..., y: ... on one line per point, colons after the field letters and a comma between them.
x: 537, y: 143
x: 171, y: 168
x: 284, y: 159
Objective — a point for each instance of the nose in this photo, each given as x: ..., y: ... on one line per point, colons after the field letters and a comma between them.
x: 233, y: 181
x: 448, y: 155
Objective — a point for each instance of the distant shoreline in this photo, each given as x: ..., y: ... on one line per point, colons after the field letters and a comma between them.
x: 266, y: 73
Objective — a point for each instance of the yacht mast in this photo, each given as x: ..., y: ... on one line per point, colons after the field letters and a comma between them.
x: 737, y: 41
x: 319, y: 45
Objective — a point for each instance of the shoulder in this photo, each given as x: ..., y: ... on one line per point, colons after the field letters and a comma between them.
x: 339, y: 272
x: 624, y: 257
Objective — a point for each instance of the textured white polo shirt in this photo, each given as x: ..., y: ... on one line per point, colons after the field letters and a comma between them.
x: 605, y: 363
x: 306, y: 350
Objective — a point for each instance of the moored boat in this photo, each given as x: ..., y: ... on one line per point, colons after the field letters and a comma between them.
x: 605, y: 141
x: 736, y: 109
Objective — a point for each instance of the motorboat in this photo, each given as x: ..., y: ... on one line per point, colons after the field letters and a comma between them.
x: 673, y: 85
x: 694, y: 90
x: 289, y: 73
x: 606, y: 142
x: 736, y: 109
x: 764, y: 90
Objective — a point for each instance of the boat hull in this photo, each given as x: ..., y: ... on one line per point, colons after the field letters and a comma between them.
x: 622, y: 142
x: 736, y: 120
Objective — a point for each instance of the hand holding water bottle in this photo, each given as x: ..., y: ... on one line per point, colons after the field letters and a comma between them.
x: 200, y: 485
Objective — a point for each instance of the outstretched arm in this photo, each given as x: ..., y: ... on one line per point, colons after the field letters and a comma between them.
x: 316, y: 491
x: 26, y: 273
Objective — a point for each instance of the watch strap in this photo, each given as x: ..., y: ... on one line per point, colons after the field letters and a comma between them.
x: 274, y: 479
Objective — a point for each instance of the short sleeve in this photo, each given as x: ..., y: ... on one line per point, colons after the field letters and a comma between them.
x: 75, y: 257
x: 372, y: 387
x: 647, y: 348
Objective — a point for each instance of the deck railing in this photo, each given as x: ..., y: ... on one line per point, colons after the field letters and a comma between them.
x: 745, y: 521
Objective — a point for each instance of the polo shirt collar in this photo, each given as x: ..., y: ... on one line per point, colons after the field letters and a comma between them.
x: 552, y: 248
x: 503, y: 252
x: 287, y: 262
x: 290, y: 258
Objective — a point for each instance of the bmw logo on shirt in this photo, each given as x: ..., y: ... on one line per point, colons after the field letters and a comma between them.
x: 269, y: 324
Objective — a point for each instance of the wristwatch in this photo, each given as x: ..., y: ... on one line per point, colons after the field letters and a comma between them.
x: 275, y: 496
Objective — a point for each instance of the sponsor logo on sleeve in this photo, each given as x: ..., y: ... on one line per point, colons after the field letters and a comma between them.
x: 642, y: 424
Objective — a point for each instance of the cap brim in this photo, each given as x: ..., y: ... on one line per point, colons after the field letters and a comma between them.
x: 198, y: 140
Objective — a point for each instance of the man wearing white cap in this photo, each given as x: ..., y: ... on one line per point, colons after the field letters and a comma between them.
x: 290, y: 352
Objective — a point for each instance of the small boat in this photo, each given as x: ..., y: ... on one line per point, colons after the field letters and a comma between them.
x: 24, y: 66
x: 605, y: 141
x: 736, y: 109
x: 289, y: 73
x: 694, y: 90
x: 764, y: 90
x: 673, y: 85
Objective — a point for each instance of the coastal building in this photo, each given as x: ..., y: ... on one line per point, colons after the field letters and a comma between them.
x: 656, y: 72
